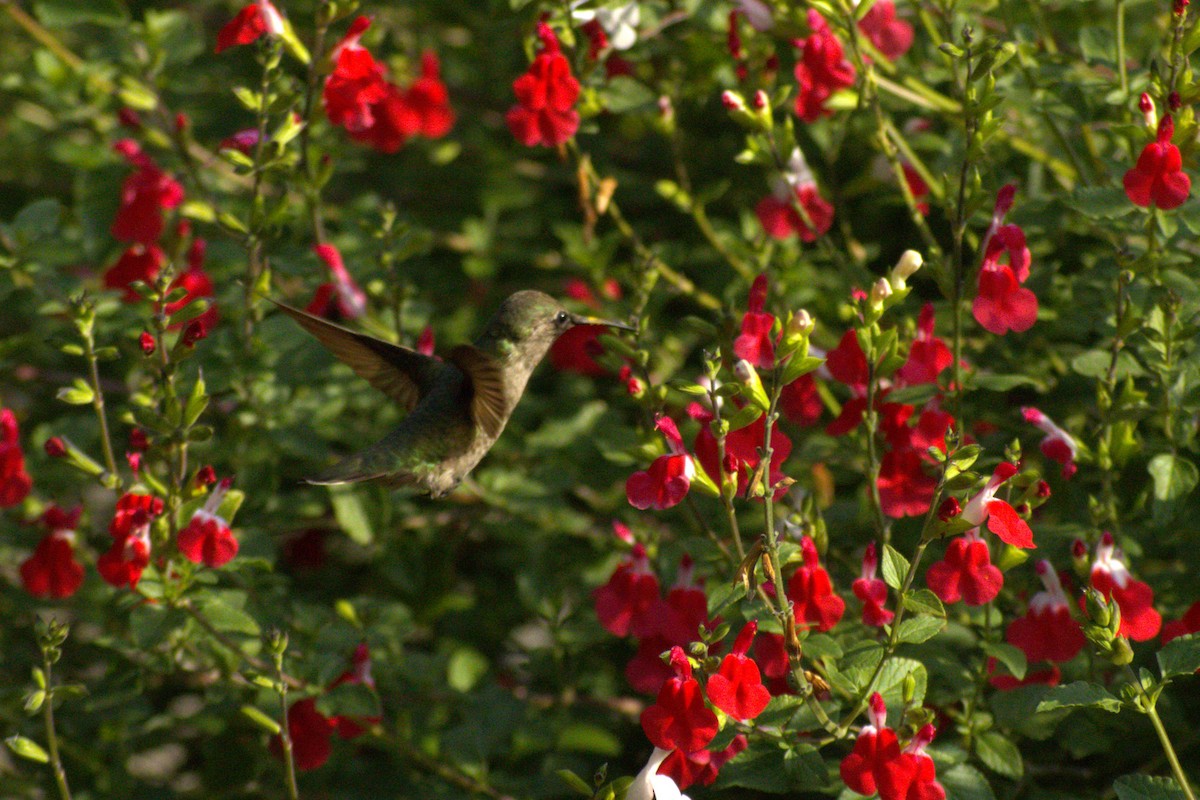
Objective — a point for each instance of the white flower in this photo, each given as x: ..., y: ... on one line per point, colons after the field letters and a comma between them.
x: 649, y: 785
x: 619, y: 23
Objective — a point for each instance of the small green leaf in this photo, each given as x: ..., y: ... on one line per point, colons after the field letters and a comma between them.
x: 61, y: 13
x: 964, y: 782
x: 999, y: 754
x: 923, y: 601
x: 1107, y: 202
x: 1001, y: 383
x: 576, y: 783
x: 262, y: 720
x: 349, y: 700
x: 27, y: 748
x: 34, y: 700
x: 895, y: 567
x: 583, y: 737
x: 1174, y: 477
x: 76, y: 395
x: 760, y: 770
x: 197, y: 402
x: 1079, y: 694
x: 915, y: 630
x: 465, y: 668
x: 1146, y: 787
x: 1013, y: 658
x: 227, y: 619
x: 1181, y: 656
x: 350, y: 514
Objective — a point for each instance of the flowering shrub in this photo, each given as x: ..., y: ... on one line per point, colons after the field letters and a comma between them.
x: 891, y: 490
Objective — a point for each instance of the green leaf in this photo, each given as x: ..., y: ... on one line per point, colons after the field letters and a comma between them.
x: 226, y: 618
x: 350, y: 514
x: 1013, y: 658
x: 999, y: 754
x: 806, y: 768
x: 1181, y: 656
x: 576, y: 783
x: 761, y: 770
x: 895, y: 567
x: 197, y: 402
x: 1095, y: 364
x: 465, y: 668
x: 1174, y: 477
x: 623, y: 93
x: 1147, y: 787
x: 27, y: 748
x: 923, y: 601
x: 1107, y: 202
x: 78, y: 395
x: 261, y: 720
x: 915, y: 630
x: 61, y: 13
x: 37, y: 220
x: 583, y: 737
x: 1079, y: 694
x: 349, y: 700
x: 964, y: 782
x: 1001, y: 383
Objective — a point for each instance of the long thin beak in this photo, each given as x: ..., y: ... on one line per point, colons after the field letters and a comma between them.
x: 580, y: 319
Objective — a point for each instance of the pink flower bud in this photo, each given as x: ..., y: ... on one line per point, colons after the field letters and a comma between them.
x: 56, y: 447
x: 732, y: 101
x: 147, y: 343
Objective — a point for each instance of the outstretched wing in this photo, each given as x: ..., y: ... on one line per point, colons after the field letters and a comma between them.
x: 402, y: 374
x: 490, y: 404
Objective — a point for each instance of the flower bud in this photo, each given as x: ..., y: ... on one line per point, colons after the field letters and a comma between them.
x: 881, y: 290
x: 735, y: 104
x: 732, y: 101
x: 760, y: 100
x: 194, y: 332
x: 1174, y: 101
x: 949, y: 509
x: 744, y: 371
x: 1098, y: 609
x: 1079, y: 557
x: 910, y: 261
x: 147, y: 343
x: 1146, y: 106
x: 56, y: 447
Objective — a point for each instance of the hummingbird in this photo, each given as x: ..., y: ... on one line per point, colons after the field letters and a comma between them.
x: 456, y: 407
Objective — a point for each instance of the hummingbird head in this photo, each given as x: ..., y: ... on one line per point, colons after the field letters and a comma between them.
x: 528, y: 322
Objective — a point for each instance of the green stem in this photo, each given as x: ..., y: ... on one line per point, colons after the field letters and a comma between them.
x: 285, y: 736
x: 110, y: 460
x: 56, y: 766
x: 1148, y: 707
x: 871, y: 424
x: 1121, y: 69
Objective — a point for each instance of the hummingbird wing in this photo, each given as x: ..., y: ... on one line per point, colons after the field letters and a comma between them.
x: 402, y: 374
x: 490, y: 403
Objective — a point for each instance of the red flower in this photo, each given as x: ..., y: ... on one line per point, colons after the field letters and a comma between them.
x: 425, y: 344
x: 1002, y: 303
x: 1158, y: 178
x: 684, y: 610
x: 891, y: 36
x: 52, y: 570
x: 1057, y: 445
x: 646, y: 671
x: 310, y: 732
x: 429, y: 101
x: 771, y: 655
x: 811, y: 592
x: 736, y: 688
x: 679, y: 718
x: 358, y: 674
x: 341, y: 299
x: 122, y: 565
x: 577, y: 349
x: 800, y: 402
x: 356, y: 84
x: 15, y: 482
x: 916, y: 184
x: 138, y: 263
x: 623, y: 605
x: 741, y: 450
x: 244, y: 141
x: 207, y: 539
x: 966, y: 573
x: 872, y: 591
x: 195, y: 331
x: 876, y: 751
x: 781, y: 220
x: 546, y: 94
x: 1047, y: 632
x: 250, y: 23
x: 1040, y: 677
x: 1188, y: 623
x: 821, y: 69
x: 196, y: 283
x: 1110, y: 577
x: 904, y: 488
x: 755, y: 343
x: 701, y: 766
x: 144, y: 196
x: 668, y: 479
x: 1002, y: 518
x: 928, y: 356
x: 914, y: 777
x: 848, y: 364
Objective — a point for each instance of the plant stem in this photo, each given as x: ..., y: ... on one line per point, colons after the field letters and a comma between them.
x: 56, y: 767
x: 257, y: 663
x: 1148, y: 706
x: 89, y: 342
x: 285, y: 735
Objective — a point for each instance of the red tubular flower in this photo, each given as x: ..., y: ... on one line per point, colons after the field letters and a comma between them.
x: 123, y: 563
x: 890, y: 35
x: 138, y: 263
x: 966, y: 573
x: 358, y: 674
x: 668, y: 479
x: 876, y: 752
x: 679, y: 718
x: 684, y: 610
x: 800, y: 401
x: 356, y: 84
x: 736, y: 688
x: 1058, y: 445
x: 342, y: 299
x: 1188, y: 623
x: 1002, y: 518
x: 905, y: 490
x: 812, y: 592
x: 1002, y: 304
x: 207, y: 539
x: 624, y: 602
x: 701, y: 766
x: 425, y: 345
x: 821, y: 69
x: 250, y: 23
x: 771, y: 655
x: 872, y: 591
x: 1039, y: 677
x: 546, y: 95
x: 755, y: 343
x: 741, y: 449
x: 928, y: 356
x: 1047, y: 632
x: 196, y: 283
x: 781, y: 220
x: 848, y: 364
x: 144, y: 196
x: 577, y: 349
x: 429, y: 101
x: 15, y: 482
x: 916, y: 184
x: 913, y: 776
x: 1158, y: 178
x: 646, y: 671
x: 311, y: 733
x: 1139, y: 620
x: 52, y: 570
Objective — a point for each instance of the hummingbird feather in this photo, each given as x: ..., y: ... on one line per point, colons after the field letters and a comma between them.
x: 490, y: 404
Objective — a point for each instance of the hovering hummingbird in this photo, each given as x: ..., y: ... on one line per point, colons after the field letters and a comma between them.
x: 456, y: 407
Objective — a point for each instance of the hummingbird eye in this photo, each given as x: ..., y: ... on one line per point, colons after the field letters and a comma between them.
x: 562, y: 318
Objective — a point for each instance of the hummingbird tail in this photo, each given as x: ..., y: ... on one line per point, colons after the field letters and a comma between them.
x: 355, y: 469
